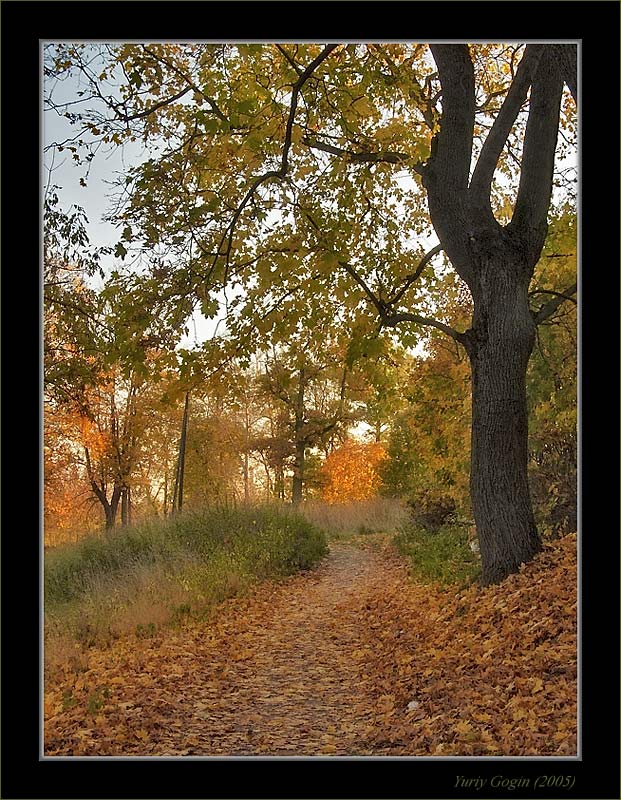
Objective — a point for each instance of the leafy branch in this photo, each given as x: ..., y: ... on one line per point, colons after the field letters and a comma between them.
x: 389, y: 318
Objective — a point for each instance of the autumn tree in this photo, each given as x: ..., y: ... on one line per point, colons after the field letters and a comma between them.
x: 308, y: 382
x: 552, y: 389
x: 315, y: 178
x: 429, y: 440
x: 351, y: 471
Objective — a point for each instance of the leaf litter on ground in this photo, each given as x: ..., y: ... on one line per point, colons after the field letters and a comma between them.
x: 352, y: 658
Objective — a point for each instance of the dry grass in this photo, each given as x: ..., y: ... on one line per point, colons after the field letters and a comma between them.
x: 379, y: 515
x: 145, y: 577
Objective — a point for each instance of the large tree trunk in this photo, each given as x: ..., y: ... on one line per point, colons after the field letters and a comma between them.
x: 101, y: 493
x: 497, y: 264
x: 502, y: 340
x: 110, y: 507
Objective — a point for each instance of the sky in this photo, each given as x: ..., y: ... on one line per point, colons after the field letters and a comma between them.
x: 66, y: 173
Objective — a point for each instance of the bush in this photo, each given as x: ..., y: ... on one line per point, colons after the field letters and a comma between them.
x: 443, y: 557
x: 553, y: 481
x: 432, y: 511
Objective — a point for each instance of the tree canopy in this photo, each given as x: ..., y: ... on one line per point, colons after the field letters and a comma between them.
x: 269, y: 170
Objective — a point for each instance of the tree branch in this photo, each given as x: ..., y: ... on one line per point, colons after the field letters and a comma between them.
x: 387, y: 157
x: 379, y: 306
x: 535, y: 189
x: 210, y: 101
x: 280, y: 173
x: 390, y: 320
x: 290, y: 59
x: 155, y: 107
x: 481, y: 182
x: 567, y: 55
x: 453, y: 148
x: 546, y: 310
x: 417, y: 273
x: 394, y: 319
x: 445, y: 176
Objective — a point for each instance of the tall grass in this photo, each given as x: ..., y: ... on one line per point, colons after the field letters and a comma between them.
x: 378, y: 515
x: 139, y: 578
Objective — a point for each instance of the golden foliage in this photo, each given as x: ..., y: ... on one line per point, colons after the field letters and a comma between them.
x: 351, y: 471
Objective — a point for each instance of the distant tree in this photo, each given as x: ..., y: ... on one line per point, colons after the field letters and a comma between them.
x: 307, y: 380
x: 351, y: 471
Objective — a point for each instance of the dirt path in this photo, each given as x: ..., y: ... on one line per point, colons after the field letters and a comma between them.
x: 279, y: 673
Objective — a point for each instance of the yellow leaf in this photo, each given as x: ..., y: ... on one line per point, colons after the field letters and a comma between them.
x: 296, y: 134
x: 463, y: 727
x: 362, y: 106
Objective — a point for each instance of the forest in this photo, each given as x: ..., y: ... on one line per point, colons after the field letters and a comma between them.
x: 310, y: 416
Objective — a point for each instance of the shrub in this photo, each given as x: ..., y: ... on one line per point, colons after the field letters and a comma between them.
x: 377, y: 515
x: 432, y: 511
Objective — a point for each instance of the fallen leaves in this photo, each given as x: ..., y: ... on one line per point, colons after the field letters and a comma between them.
x: 499, y: 663
x: 349, y: 659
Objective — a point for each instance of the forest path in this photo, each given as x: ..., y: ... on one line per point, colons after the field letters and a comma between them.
x: 284, y: 672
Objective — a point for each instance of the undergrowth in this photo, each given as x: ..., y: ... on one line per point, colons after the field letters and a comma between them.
x: 440, y: 556
x: 166, y: 572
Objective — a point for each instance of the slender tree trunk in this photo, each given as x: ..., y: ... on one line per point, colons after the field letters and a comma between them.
x: 298, y: 474
x: 182, y: 449
x: 246, y: 466
x: 502, y: 340
x: 165, y: 489
x: 125, y: 506
x: 268, y: 482
x: 177, y: 503
x: 300, y: 445
x: 279, y: 482
x: 246, y: 478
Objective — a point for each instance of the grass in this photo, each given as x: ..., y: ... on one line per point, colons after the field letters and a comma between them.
x: 344, y: 520
x: 442, y: 556
x: 165, y: 572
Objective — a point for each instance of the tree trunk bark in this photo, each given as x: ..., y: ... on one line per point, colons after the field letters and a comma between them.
x: 502, y: 340
x: 125, y: 507
x: 300, y: 444
x: 298, y: 474
x: 165, y: 489
x: 111, y: 507
x: 246, y: 471
x: 177, y: 503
